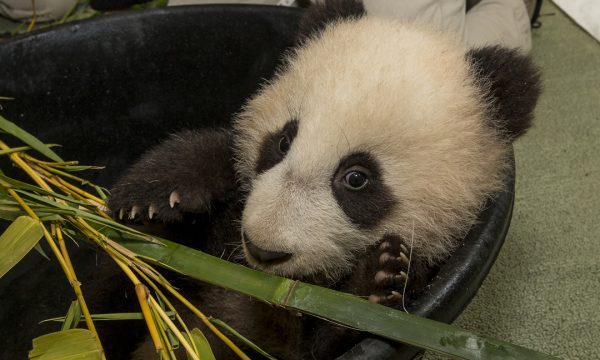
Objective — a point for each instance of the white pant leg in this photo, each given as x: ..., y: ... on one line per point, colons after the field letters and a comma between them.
x: 46, y: 10
x: 447, y: 15
x: 499, y: 22
x: 490, y: 22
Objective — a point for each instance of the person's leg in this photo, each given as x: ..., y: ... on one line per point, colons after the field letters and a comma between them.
x: 498, y: 22
x: 447, y: 15
x: 488, y: 22
x: 46, y: 10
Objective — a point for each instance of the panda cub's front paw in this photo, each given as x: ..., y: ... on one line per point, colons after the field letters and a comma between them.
x: 138, y: 198
x: 146, y: 207
x: 183, y: 175
x: 391, y: 278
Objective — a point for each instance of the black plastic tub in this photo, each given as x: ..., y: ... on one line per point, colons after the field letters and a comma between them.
x: 143, y: 75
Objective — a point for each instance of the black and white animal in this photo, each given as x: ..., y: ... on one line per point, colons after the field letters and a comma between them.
x: 374, y: 138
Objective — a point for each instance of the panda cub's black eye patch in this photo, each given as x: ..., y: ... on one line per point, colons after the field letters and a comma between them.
x: 359, y: 189
x: 275, y: 146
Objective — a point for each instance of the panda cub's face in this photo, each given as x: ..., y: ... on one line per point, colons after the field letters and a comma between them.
x: 373, y: 128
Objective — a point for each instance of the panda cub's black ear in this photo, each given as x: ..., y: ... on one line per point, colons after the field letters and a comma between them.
x: 512, y: 84
x: 327, y: 11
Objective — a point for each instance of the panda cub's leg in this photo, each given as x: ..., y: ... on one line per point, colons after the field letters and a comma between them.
x: 187, y: 173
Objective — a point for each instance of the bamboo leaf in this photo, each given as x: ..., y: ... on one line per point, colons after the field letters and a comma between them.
x: 13, y: 150
x: 69, y: 199
x: 82, y: 167
x: 17, y: 240
x: 110, y: 317
x: 245, y: 340
x: 26, y: 189
x: 41, y: 251
x: 73, y: 316
x: 101, y: 192
x: 28, y: 139
x: 73, y: 344
x: 67, y: 175
x: 12, y: 211
x: 333, y: 305
x: 51, y: 206
x: 204, y: 350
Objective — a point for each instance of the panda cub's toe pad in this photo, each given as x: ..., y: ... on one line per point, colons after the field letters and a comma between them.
x: 392, y: 275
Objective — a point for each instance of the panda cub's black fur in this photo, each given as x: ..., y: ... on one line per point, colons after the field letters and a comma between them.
x: 374, y: 141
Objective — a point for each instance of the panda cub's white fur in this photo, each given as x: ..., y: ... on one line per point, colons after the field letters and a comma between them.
x: 404, y: 94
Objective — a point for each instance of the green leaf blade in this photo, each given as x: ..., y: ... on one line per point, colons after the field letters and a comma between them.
x: 73, y: 316
x: 28, y: 139
x: 17, y: 240
x: 244, y: 339
x: 70, y: 344
x: 204, y: 350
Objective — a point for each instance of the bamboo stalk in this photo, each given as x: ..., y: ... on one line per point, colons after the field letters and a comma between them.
x: 164, y: 338
x: 33, y: 17
x: 143, y: 296
x: 64, y: 264
x: 162, y: 296
x: 93, y: 233
x: 61, y: 253
x: 83, y: 193
x: 46, y: 170
x: 48, y: 163
x: 43, y: 173
x: 23, y: 165
x: 207, y: 322
x: 195, y: 310
x: 174, y: 329
x: 145, y: 300
x: 339, y: 307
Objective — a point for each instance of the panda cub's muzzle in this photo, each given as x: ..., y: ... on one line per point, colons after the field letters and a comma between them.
x: 263, y: 256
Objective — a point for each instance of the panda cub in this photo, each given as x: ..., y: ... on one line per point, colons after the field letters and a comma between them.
x: 374, y: 140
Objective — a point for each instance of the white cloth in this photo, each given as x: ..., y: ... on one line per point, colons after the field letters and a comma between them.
x: 45, y: 10
x: 490, y: 22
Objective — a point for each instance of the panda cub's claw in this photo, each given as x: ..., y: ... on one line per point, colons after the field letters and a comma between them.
x: 384, y: 278
x: 392, y: 273
x: 151, y: 211
x: 174, y: 199
x: 135, y: 210
x: 171, y: 209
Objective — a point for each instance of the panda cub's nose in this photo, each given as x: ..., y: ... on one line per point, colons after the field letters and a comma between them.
x: 265, y: 256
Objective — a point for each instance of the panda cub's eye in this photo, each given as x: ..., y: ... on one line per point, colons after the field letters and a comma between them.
x: 284, y: 144
x: 355, y: 180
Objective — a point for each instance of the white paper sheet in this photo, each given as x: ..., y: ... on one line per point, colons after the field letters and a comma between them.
x: 585, y: 12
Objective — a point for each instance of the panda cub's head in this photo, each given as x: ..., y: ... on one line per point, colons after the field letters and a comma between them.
x: 375, y: 128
